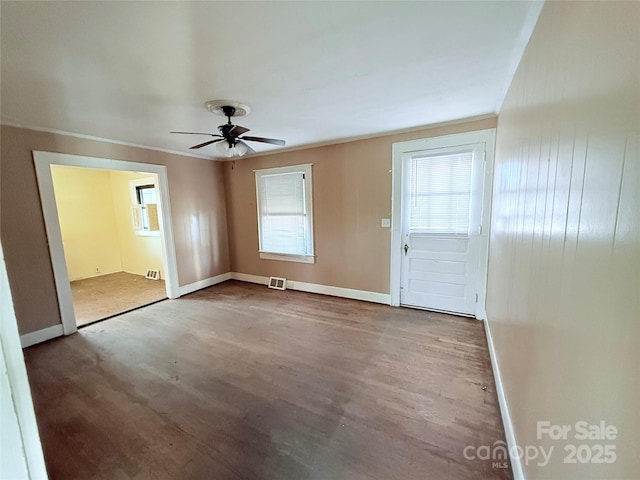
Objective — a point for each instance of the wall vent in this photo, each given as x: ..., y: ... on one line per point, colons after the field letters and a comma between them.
x: 278, y: 283
x: 153, y: 274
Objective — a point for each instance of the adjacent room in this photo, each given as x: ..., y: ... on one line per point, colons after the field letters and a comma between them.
x: 111, y: 237
x: 329, y: 240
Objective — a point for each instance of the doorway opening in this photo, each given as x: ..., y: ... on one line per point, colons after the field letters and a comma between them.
x: 111, y: 238
x: 108, y: 224
x: 440, y: 226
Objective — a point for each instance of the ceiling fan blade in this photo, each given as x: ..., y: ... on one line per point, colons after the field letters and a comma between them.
x: 249, y: 149
x: 237, y: 130
x: 273, y: 141
x: 197, y: 133
x: 206, y: 143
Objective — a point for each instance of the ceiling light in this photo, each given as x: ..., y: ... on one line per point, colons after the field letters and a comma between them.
x: 226, y: 150
x: 240, y: 149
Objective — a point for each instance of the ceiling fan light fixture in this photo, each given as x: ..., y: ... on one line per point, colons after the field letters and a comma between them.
x: 226, y: 150
x: 240, y: 149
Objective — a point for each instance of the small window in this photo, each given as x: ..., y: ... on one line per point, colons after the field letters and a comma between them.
x: 144, y: 211
x: 146, y: 196
x: 285, y: 213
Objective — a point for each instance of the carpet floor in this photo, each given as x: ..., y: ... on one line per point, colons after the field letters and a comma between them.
x: 107, y: 295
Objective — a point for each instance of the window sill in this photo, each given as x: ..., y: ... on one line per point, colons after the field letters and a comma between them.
x: 288, y: 257
x: 147, y: 233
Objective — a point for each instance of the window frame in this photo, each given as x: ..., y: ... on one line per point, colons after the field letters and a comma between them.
x: 135, y: 200
x: 306, y: 170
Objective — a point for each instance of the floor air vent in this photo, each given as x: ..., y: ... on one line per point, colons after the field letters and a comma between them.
x: 153, y: 274
x: 278, y: 283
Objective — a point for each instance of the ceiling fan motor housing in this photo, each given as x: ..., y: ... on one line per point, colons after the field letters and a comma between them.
x: 225, y: 131
x: 229, y: 111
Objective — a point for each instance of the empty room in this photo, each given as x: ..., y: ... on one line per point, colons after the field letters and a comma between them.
x: 320, y: 240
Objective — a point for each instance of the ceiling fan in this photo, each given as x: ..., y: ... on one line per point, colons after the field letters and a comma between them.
x: 229, y: 141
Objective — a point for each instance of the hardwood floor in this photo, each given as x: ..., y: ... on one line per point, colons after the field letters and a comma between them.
x: 101, y: 297
x: 241, y: 382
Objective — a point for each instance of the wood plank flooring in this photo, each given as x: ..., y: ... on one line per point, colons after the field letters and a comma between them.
x: 240, y: 382
x: 101, y: 297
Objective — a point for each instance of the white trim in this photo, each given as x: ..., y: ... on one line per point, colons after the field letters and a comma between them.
x: 147, y: 233
x: 363, y: 295
x: 200, y: 284
x: 107, y: 140
x: 516, y: 463
x: 43, y: 162
x: 353, y: 294
x: 485, y: 223
x: 40, y: 336
x: 487, y: 137
x: 518, y: 49
x: 56, y: 248
x: 284, y: 169
x: 286, y: 257
x: 167, y: 240
x: 12, y: 365
x: 247, y: 277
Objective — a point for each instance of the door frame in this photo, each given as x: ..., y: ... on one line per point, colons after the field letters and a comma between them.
x: 399, y: 149
x: 43, y: 162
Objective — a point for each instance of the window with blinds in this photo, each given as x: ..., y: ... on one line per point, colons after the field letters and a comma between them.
x: 440, y: 193
x: 285, y: 211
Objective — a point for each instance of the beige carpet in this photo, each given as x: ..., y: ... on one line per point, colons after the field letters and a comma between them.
x: 101, y: 297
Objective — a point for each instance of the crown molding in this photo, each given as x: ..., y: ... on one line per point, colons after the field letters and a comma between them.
x: 262, y: 154
x: 105, y: 140
x: 375, y: 135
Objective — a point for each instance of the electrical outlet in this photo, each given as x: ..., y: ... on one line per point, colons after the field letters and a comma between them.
x: 385, y: 223
x: 97, y: 269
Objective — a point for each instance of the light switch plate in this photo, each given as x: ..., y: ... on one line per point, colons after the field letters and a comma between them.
x: 385, y: 222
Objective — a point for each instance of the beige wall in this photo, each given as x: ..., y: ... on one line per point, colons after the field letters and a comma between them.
x: 138, y: 253
x: 564, y: 273
x: 352, y: 193
x: 87, y: 221
x: 196, y: 190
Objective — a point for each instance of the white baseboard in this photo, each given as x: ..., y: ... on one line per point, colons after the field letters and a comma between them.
x: 364, y: 295
x: 207, y: 282
x: 245, y: 277
x: 516, y: 463
x: 40, y: 336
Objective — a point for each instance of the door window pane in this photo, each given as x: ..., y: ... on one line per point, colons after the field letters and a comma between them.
x: 440, y: 193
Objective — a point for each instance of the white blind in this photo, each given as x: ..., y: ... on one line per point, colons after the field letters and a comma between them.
x: 441, y: 193
x: 283, y: 213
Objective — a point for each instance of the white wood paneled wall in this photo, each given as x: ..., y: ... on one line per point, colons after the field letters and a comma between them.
x: 564, y: 274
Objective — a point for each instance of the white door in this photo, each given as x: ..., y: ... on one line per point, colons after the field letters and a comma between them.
x: 442, y: 196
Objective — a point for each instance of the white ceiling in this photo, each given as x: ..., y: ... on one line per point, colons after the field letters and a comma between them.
x: 312, y: 72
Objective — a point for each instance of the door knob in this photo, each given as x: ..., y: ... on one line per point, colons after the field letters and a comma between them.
x: 406, y: 248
